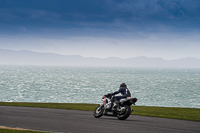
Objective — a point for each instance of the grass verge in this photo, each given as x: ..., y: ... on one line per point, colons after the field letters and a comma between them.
x: 18, y: 130
x: 192, y: 114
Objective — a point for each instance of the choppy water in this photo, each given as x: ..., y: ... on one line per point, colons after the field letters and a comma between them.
x: 152, y: 86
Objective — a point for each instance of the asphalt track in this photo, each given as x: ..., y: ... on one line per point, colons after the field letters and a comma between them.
x: 74, y: 121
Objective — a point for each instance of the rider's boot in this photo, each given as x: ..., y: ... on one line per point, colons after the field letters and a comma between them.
x: 115, y: 105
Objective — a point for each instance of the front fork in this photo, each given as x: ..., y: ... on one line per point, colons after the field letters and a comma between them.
x: 101, y: 105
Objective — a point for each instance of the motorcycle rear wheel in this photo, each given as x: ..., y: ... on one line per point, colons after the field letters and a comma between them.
x: 98, y: 112
x: 125, y: 113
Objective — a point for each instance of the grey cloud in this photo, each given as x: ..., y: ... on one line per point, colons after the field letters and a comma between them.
x: 109, y: 16
x: 25, y: 14
x: 158, y: 9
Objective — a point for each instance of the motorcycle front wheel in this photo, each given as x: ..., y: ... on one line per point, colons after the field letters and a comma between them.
x: 98, y: 112
x: 124, y: 114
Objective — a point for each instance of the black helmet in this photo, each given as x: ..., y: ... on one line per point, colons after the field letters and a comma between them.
x: 122, y: 85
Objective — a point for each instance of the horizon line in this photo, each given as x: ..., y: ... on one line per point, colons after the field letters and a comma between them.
x: 100, y: 57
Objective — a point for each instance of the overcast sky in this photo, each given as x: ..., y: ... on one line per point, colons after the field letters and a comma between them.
x: 169, y: 29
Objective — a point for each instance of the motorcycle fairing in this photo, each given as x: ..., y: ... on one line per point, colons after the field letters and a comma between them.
x: 132, y: 100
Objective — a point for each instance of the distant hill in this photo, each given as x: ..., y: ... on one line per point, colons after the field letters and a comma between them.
x: 24, y: 57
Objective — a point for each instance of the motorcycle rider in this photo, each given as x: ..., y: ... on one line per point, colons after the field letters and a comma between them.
x: 125, y: 93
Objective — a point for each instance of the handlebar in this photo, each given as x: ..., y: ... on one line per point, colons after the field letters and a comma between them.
x: 108, y: 95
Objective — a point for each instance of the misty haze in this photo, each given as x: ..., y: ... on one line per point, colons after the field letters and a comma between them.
x: 10, y: 57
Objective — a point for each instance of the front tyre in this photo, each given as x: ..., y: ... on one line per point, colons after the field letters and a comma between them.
x: 98, y: 112
x: 124, y: 114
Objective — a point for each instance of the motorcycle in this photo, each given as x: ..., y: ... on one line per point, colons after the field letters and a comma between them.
x: 122, y: 111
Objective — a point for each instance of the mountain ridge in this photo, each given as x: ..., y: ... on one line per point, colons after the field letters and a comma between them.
x: 25, y: 57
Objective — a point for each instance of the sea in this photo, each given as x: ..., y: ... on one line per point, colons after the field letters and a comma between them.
x: 163, y: 87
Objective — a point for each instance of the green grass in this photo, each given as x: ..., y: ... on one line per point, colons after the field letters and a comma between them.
x: 192, y: 114
x: 18, y: 131
x: 74, y: 106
